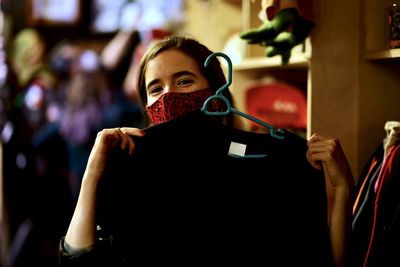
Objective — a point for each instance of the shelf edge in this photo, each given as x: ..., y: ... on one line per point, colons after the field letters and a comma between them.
x: 384, y: 54
x: 297, y: 60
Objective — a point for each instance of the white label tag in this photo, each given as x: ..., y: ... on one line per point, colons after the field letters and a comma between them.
x: 237, y: 149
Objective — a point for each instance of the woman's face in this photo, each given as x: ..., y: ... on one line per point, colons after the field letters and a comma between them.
x: 172, y: 71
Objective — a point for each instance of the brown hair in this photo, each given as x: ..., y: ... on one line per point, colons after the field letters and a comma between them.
x: 192, y: 48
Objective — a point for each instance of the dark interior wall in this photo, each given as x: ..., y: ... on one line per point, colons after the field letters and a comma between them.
x: 17, y: 12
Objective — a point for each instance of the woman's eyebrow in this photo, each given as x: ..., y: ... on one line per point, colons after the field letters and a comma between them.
x: 155, y: 81
x: 183, y: 73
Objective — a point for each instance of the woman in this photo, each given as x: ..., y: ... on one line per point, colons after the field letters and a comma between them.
x: 173, y: 83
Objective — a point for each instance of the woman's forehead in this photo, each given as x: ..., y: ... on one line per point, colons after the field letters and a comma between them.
x: 171, y: 61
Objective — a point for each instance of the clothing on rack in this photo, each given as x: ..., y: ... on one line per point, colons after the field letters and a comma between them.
x: 376, y: 219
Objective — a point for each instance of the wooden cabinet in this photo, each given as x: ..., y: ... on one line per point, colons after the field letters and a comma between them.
x: 254, y: 65
x: 379, y: 74
x: 353, y: 81
x: 355, y: 77
x: 350, y: 76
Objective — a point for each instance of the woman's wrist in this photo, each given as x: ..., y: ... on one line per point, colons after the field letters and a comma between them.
x: 344, y: 192
x: 74, y: 251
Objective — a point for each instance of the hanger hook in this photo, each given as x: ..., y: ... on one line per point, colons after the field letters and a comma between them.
x: 229, y: 81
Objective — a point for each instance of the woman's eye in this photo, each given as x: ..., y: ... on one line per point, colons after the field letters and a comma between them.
x: 185, y: 82
x: 155, y: 90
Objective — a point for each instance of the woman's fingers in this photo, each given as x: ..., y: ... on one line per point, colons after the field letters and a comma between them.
x: 124, y: 139
x: 132, y: 131
x: 107, y: 140
x: 110, y: 138
x: 322, y: 149
x: 327, y: 153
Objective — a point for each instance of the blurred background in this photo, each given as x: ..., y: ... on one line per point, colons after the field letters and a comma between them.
x: 67, y: 70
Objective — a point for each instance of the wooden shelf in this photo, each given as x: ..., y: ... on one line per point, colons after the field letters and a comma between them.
x: 296, y: 61
x: 384, y: 54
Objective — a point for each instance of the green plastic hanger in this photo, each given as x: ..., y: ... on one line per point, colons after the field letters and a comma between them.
x: 276, y: 133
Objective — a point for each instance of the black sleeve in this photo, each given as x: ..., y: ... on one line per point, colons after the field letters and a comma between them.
x: 101, y: 254
x: 104, y: 252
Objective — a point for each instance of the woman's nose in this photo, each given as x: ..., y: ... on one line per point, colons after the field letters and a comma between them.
x: 169, y: 88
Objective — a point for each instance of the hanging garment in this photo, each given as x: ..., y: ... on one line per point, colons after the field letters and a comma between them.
x: 183, y: 198
x: 363, y: 218
x: 375, y: 229
x: 384, y: 243
x: 373, y: 170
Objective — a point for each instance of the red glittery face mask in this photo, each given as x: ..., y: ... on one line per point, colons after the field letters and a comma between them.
x: 173, y: 105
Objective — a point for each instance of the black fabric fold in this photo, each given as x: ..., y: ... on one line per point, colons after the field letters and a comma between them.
x: 182, y: 199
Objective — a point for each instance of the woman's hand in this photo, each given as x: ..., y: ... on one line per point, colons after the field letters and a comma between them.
x: 81, y: 233
x: 106, y: 141
x: 326, y: 153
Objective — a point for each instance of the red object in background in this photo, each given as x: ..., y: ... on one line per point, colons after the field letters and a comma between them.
x: 278, y: 104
